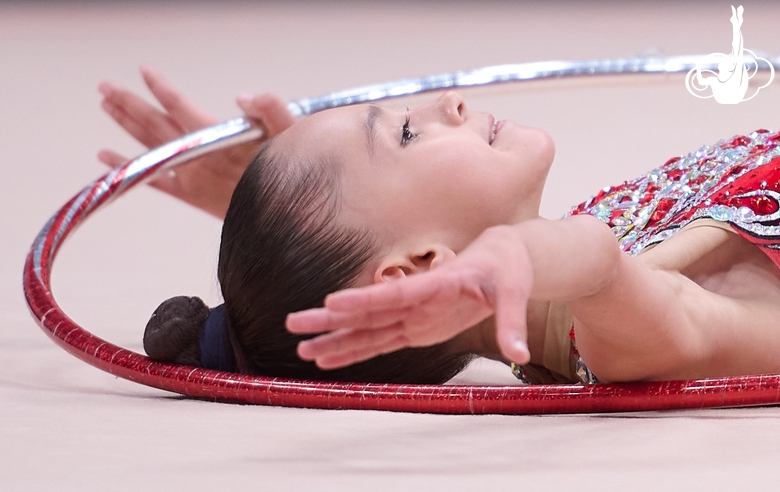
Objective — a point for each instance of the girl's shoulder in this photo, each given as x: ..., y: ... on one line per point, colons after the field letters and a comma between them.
x: 732, y: 185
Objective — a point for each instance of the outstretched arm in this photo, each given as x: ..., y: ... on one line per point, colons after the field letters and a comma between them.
x: 206, y: 182
x: 496, y: 275
x: 636, y: 318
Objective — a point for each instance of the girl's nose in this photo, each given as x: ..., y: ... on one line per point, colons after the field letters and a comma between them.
x: 452, y: 108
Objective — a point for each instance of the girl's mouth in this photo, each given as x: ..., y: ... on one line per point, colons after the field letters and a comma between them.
x: 494, y: 128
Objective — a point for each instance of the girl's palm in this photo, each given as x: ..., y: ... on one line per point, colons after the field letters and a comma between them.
x: 208, y: 181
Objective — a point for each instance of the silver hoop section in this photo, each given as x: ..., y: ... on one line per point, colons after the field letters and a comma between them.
x: 240, y: 130
x: 500, y: 74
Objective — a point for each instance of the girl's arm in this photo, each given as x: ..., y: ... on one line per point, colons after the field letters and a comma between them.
x: 207, y: 182
x: 712, y: 305
x: 636, y: 319
x: 497, y: 274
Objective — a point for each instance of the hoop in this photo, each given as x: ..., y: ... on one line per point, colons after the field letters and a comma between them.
x: 240, y: 388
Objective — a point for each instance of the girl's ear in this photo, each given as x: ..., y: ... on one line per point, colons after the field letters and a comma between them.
x: 396, y: 266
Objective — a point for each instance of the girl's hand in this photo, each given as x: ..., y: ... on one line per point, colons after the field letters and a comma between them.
x: 208, y: 181
x: 493, y: 276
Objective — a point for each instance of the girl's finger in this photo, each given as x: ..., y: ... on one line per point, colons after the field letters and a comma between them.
x: 168, y: 182
x: 269, y: 109
x: 139, y: 132
x: 511, y: 306
x: 344, y: 341
x: 111, y: 158
x: 397, y: 294
x: 322, y: 320
x: 186, y: 114
x: 147, y: 124
x: 351, y: 347
x: 360, y: 355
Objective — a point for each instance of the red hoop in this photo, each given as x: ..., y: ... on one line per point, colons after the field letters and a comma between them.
x: 239, y: 388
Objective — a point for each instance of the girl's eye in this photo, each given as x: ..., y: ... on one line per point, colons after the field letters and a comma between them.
x: 406, y: 134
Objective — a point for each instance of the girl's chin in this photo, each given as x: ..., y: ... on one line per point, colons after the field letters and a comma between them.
x: 527, y: 140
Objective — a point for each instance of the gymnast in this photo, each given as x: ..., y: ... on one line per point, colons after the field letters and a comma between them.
x: 373, y: 245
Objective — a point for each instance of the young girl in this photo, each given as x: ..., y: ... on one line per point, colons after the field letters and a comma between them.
x: 429, y: 219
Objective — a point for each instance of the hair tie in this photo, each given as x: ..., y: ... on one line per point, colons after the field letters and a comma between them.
x: 216, y: 351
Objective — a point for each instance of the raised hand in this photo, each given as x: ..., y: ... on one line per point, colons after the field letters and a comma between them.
x: 208, y: 181
x: 493, y: 276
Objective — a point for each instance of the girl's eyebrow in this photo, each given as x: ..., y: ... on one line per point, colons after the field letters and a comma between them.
x: 372, y: 115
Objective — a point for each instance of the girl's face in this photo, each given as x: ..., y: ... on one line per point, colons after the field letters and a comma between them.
x: 438, y: 173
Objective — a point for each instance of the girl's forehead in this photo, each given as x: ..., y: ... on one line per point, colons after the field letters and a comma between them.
x: 327, y: 122
x: 334, y: 136
x: 332, y: 130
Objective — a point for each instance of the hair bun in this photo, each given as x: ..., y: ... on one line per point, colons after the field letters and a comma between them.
x: 173, y: 332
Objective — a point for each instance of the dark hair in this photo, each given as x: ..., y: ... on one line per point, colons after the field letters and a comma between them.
x: 283, y: 250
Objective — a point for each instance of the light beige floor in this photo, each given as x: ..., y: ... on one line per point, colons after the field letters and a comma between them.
x: 67, y: 426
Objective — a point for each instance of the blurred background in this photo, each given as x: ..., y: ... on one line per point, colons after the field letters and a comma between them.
x: 67, y: 426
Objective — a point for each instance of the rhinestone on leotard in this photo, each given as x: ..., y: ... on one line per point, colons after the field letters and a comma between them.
x: 729, y: 182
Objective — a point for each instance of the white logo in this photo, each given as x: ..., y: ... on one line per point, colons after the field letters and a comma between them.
x: 735, y: 70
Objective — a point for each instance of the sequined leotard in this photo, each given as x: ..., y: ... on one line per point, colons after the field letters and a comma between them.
x: 735, y: 182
